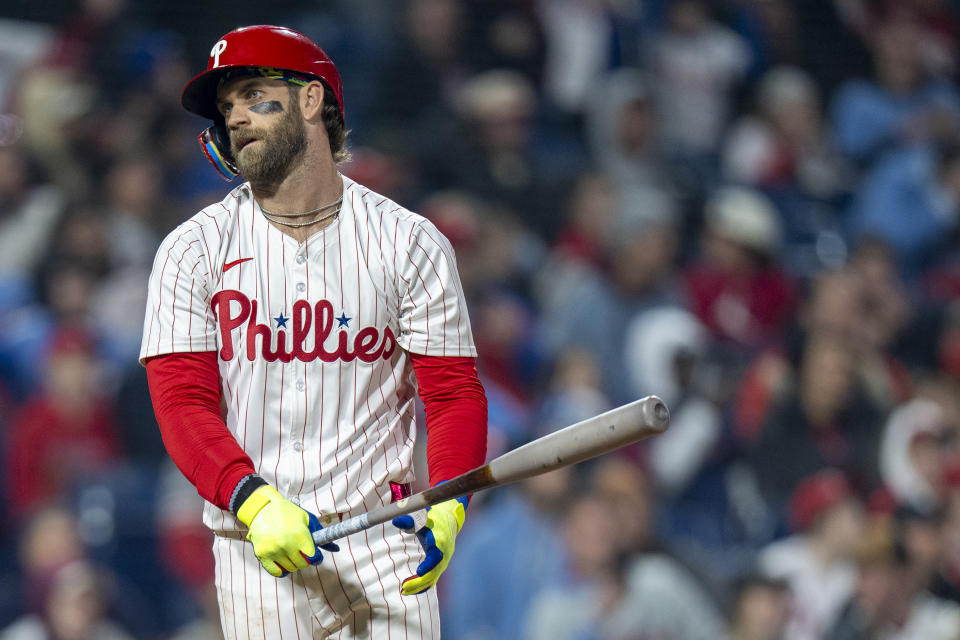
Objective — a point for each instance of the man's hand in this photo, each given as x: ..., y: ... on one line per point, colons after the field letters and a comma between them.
x: 437, y: 538
x: 280, y: 532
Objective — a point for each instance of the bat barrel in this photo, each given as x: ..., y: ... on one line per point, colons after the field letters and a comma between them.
x: 578, y: 442
x: 584, y: 440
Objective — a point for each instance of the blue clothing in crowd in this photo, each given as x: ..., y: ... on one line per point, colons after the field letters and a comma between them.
x: 902, y: 202
x: 514, y: 551
x: 870, y: 119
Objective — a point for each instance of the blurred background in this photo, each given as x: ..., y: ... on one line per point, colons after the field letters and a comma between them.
x: 747, y: 207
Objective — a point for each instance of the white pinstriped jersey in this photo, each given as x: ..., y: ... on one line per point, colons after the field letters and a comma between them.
x: 312, y: 338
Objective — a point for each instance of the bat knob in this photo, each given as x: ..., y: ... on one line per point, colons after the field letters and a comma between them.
x: 661, y: 411
x: 658, y: 413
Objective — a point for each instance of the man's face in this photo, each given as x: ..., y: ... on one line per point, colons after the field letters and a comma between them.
x: 267, y: 134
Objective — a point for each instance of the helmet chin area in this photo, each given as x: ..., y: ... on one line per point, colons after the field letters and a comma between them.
x: 215, y: 144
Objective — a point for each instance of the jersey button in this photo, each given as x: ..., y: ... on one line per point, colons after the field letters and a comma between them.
x: 300, y: 385
x: 301, y: 286
x: 298, y: 446
x: 301, y: 259
x: 295, y: 500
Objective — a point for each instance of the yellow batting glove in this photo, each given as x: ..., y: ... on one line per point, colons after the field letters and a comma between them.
x: 281, y: 532
x: 437, y: 538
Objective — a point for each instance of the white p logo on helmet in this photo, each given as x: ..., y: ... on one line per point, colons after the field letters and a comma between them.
x: 218, y: 48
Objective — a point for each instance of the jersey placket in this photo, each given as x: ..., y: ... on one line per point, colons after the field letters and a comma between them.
x: 296, y: 275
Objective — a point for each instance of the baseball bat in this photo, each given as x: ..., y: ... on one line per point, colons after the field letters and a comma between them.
x: 581, y: 441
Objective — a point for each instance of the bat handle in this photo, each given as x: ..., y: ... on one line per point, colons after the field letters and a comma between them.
x: 341, y: 529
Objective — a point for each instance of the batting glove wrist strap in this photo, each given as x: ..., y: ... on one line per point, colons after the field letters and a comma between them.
x: 437, y: 537
x: 281, y: 532
x: 246, y: 486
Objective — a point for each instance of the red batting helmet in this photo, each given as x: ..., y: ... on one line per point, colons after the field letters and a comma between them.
x: 259, y: 46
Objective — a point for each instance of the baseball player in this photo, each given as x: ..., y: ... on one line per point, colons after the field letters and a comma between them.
x: 287, y: 330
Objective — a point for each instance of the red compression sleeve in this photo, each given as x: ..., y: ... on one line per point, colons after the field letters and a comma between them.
x: 456, y: 408
x: 185, y: 388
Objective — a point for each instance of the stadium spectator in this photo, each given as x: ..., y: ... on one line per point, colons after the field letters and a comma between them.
x: 893, y: 599
x: 824, y: 420
x: 495, y: 154
x: 817, y: 561
x: 667, y: 356
x: 583, y: 306
x: 911, y: 201
x: 620, y: 585
x: 901, y: 105
x: 760, y: 608
x: 591, y: 207
x: 785, y: 142
x: 696, y: 64
x: 485, y: 597
x: 29, y: 211
x: 831, y: 305
x: 430, y: 56
x: 72, y: 608
x: 785, y: 149
x: 737, y: 288
x: 583, y: 39
x: 915, y: 452
x: 622, y: 130
x: 68, y: 429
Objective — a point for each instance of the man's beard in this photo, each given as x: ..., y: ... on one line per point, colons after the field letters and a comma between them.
x: 270, y: 161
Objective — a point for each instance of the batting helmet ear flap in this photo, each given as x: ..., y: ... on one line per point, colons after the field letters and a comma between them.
x: 215, y: 142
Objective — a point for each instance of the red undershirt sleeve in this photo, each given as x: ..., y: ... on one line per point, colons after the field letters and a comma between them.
x: 185, y: 388
x: 456, y: 408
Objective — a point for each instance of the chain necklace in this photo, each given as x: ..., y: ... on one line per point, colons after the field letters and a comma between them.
x: 297, y: 225
x: 274, y: 217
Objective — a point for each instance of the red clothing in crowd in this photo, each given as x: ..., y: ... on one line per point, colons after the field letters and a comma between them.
x: 50, y: 449
x: 749, y: 309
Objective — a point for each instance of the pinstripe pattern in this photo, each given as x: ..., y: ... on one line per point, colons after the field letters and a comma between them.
x: 330, y: 433
x: 343, y: 597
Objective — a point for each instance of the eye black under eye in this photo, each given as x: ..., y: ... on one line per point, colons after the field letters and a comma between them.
x: 267, y: 106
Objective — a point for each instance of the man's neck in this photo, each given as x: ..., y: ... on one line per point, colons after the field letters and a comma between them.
x: 306, y: 188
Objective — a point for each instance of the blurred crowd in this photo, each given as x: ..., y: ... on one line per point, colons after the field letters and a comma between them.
x: 750, y: 208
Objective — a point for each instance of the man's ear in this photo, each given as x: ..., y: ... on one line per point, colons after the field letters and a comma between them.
x: 311, y: 100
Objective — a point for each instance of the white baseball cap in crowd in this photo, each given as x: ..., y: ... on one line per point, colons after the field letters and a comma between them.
x: 744, y: 216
